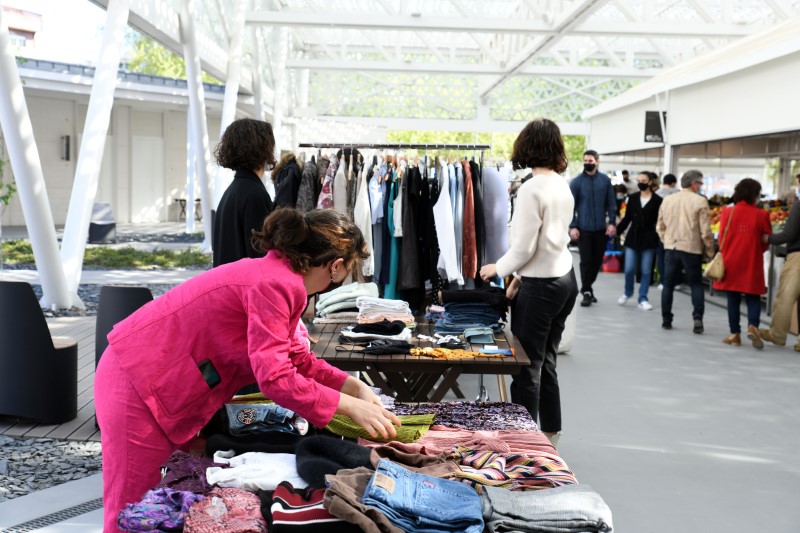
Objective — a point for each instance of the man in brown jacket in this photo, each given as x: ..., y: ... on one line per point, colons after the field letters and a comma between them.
x: 684, y: 228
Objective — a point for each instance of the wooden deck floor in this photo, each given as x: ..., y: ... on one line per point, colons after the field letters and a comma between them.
x: 83, y: 427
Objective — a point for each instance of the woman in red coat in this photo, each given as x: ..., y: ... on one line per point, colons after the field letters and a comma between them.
x: 742, y: 253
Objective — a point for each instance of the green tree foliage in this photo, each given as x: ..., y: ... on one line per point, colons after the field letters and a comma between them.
x: 501, y: 143
x: 148, y: 56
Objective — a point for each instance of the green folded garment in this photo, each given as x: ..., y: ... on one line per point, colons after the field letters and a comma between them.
x: 413, y: 428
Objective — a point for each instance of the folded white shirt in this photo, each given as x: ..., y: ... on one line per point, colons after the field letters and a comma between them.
x: 254, y: 470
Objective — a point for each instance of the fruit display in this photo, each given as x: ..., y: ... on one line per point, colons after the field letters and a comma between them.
x: 777, y: 215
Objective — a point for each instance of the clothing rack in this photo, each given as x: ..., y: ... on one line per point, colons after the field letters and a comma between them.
x: 395, y: 146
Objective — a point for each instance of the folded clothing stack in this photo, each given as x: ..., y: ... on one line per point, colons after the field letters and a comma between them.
x: 372, y: 309
x: 395, y: 330
x: 460, y: 316
x: 343, y: 298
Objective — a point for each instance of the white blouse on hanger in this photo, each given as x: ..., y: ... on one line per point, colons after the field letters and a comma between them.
x: 445, y: 230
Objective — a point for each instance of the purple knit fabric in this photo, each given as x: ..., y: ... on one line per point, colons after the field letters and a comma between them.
x: 161, y: 509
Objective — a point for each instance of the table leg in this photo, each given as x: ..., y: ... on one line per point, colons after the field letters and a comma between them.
x: 449, y: 382
x: 378, y: 381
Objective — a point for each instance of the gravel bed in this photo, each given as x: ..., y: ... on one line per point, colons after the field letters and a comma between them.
x: 29, y: 465
x: 160, y: 237
x: 90, y: 296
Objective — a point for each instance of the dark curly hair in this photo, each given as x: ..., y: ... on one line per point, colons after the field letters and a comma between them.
x: 246, y: 143
x: 748, y: 190
x: 540, y: 145
x: 314, y: 239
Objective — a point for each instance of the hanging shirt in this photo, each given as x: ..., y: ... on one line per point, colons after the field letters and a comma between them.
x: 377, y: 190
x: 457, y: 198
x: 363, y: 220
x: 447, y: 265
x: 495, y: 189
x: 340, y: 189
x: 470, y: 254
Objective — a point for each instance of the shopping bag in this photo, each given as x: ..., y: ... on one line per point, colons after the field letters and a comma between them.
x: 612, y: 259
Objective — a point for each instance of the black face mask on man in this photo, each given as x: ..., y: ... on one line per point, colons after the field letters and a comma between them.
x: 642, y: 186
x: 589, y: 167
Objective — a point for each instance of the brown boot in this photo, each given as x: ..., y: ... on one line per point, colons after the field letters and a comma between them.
x: 755, y: 336
x: 765, y: 335
x: 734, y: 339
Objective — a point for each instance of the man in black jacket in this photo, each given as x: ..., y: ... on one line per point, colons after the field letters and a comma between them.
x: 247, y: 147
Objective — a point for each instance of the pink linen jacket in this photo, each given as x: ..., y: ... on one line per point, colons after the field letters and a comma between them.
x: 243, y: 318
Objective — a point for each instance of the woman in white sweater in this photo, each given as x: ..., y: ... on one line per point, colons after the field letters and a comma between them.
x: 544, y: 287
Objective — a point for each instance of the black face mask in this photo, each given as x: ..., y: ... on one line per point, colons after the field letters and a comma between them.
x: 643, y: 186
x: 589, y: 167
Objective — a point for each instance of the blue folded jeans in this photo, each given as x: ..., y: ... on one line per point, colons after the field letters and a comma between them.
x: 255, y: 418
x: 424, y: 504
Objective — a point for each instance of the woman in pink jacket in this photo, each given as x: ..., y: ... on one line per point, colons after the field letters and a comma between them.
x: 172, y: 364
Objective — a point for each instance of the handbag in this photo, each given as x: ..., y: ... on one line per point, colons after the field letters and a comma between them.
x: 715, y: 269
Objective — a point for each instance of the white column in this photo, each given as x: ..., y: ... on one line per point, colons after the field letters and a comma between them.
x: 191, y: 172
x: 27, y: 167
x: 281, y: 42
x: 258, y: 83
x: 197, y: 107
x: 224, y: 176
x: 84, y: 188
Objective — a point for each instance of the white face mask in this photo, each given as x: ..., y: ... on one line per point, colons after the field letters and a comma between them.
x: 797, y: 193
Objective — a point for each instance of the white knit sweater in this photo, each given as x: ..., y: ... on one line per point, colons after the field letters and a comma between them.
x: 539, y: 231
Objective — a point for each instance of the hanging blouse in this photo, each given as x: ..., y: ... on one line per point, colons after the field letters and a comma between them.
x: 447, y: 265
x: 470, y: 250
x: 340, y: 188
x: 326, y: 195
x: 363, y: 220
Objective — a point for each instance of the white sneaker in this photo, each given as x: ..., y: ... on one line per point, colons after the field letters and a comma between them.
x: 678, y: 287
x: 661, y: 286
x: 645, y: 306
x: 622, y: 300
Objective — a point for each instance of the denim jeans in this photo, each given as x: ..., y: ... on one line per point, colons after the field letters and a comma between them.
x: 248, y: 419
x: 424, y: 504
x: 539, y: 315
x: 691, y: 264
x: 644, y: 260
x: 753, y: 310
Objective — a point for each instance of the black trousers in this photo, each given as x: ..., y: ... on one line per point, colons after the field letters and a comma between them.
x: 592, y: 248
x: 538, y: 316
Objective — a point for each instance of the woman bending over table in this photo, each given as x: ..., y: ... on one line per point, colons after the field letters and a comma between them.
x: 173, y: 363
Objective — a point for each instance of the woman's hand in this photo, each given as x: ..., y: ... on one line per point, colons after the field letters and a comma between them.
x: 373, y: 418
x: 488, y: 272
x: 513, y: 288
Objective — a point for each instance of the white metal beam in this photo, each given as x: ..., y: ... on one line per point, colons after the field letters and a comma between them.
x: 27, y: 166
x: 90, y: 155
x: 478, y: 126
x: 159, y: 20
x: 469, y: 69
x: 568, y: 23
x: 362, y: 21
x: 490, y: 54
x: 197, y: 106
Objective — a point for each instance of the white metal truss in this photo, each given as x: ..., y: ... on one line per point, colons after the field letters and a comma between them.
x: 468, y: 59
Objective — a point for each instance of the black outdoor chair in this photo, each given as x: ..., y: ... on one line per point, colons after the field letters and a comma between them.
x: 117, y: 302
x: 38, y: 372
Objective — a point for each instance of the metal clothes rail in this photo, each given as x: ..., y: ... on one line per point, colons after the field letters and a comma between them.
x: 395, y: 146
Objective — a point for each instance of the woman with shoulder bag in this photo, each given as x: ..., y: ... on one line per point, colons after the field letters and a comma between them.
x: 741, y: 231
x: 642, y: 240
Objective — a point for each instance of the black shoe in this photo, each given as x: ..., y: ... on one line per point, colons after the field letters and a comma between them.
x: 666, y: 325
x: 698, y: 327
x: 587, y: 299
x: 594, y: 300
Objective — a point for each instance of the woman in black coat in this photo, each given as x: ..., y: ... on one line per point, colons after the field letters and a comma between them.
x: 641, y: 240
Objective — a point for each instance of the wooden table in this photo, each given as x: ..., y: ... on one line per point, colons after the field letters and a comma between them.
x: 411, y: 378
